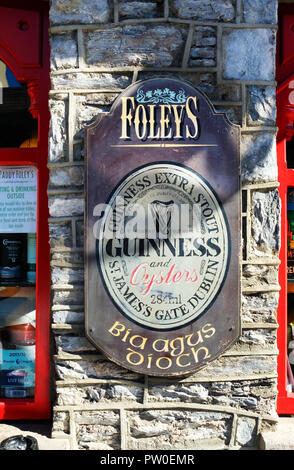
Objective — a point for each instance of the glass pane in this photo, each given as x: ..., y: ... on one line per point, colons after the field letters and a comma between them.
x: 17, y: 126
x: 18, y: 212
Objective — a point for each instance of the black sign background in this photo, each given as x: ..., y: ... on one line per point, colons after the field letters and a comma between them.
x: 212, y: 153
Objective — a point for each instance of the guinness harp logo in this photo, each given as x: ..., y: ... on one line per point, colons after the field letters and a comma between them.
x: 162, y: 212
x: 163, y: 246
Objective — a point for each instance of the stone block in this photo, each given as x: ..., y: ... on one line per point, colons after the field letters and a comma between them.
x: 203, y: 52
x: 242, y: 57
x: 188, y: 393
x: 66, y: 276
x: 254, y: 395
x: 259, y: 336
x: 261, y: 106
x: 230, y: 367
x: 68, y: 259
x: 249, y: 403
x: 136, y: 9
x: 258, y: 157
x: 95, y: 369
x: 266, y: 208
x: 246, y: 432
x: 124, y: 392
x: 257, y: 396
x: 159, y: 45
x: 177, y: 429
x: 92, y: 394
x: 64, y: 51
x: 90, y: 80
x: 98, y: 430
x: 60, y: 422
x: 67, y: 176
x: 58, y: 131
x: 68, y: 316
x: 60, y: 235
x: 87, y: 109
x: 260, y: 11
x: 259, y: 276
x: 217, y: 10
x: 64, y: 206
x: 73, y: 344
x: 261, y: 308
x: 79, y: 11
x: 68, y: 297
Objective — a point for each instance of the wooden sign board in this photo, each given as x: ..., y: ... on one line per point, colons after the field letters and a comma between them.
x: 162, y: 230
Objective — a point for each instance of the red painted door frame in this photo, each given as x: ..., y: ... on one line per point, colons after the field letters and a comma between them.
x: 285, y: 402
x: 285, y: 123
x: 24, y: 47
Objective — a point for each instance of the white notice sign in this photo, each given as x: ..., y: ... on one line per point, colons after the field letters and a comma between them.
x: 18, y: 199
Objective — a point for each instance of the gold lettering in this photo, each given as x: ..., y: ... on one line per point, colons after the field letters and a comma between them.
x: 136, y: 361
x: 164, y: 121
x: 149, y: 360
x: 164, y: 347
x: 179, y: 363
x: 211, y: 330
x: 152, y: 123
x: 202, y: 348
x: 199, y: 340
x: 142, y: 341
x: 144, y: 119
x: 191, y: 116
x: 117, y: 326
x: 168, y: 359
x: 126, y: 117
x: 138, y: 122
x: 180, y: 348
x: 126, y: 335
x: 178, y: 120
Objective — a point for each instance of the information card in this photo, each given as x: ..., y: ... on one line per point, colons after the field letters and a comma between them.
x: 18, y: 199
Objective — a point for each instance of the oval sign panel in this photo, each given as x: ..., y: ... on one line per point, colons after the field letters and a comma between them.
x: 164, y: 246
x: 162, y: 218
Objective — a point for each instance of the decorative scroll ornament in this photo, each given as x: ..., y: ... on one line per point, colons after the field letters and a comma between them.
x: 161, y: 95
x: 33, y: 92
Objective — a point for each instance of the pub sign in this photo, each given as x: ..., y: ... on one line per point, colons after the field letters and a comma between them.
x: 162, y: 230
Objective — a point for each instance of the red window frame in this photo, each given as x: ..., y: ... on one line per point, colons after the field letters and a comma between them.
x: 285, y: 402
x: 285, y: 123
x: 32, y: 69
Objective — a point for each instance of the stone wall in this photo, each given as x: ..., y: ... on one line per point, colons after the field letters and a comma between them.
x: 227, y: 49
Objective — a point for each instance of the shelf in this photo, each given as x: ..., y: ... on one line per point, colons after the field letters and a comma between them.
x: 17, y: 291
x: 17, y: 284
x: 290, y: 287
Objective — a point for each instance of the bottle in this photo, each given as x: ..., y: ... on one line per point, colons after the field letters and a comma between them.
x: 20, y: 335
x: 31, y: 257
x: 18, y: 363
x: 12, y: 252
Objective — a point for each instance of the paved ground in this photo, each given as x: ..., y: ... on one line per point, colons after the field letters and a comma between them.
x: 41, y: 430
x: 282, y: 438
